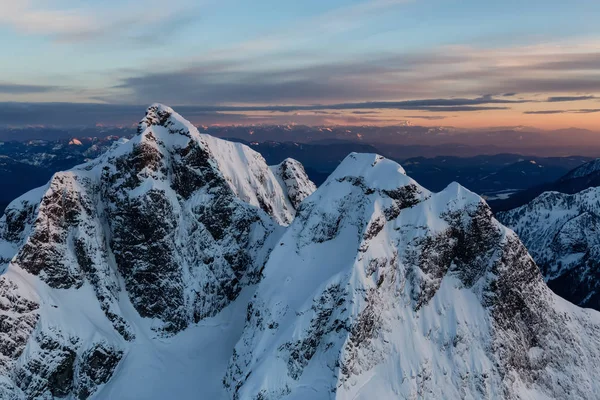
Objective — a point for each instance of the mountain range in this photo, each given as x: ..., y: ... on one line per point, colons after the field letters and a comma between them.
x: 560, y: 228
x: 576, y: 180
x: 179, y: 265
x: 562, y: 233
x: 25, y: 165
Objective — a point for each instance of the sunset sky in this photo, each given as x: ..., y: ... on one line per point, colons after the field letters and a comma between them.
x: 467, y: 63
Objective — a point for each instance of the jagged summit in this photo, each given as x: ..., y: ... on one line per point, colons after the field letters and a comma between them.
x: 169, y: 147
x: 293, y: 177
x: 159, y: 233
x: 380, y: 289
x: 374, y: 169
x: 158, y: 114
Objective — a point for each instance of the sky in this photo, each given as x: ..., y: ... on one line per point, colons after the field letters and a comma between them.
x: 464, y: 63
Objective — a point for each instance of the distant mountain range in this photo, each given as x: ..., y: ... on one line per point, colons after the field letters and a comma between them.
x: 559, y: 222
x: 577, y: 180
x: 403, y: 141
x: 27, y: 164
x: 522, y: 140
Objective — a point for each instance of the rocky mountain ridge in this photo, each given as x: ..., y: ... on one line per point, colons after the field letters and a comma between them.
x: 561, y: 232
x: 380, y: 289
x: 178, y: 265
x: 579, y: 179
x: 171, y: 226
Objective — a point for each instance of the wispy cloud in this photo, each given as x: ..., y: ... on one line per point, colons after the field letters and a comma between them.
x: 71, y: 114
x: 578, y: 111
x: 27, y: 17
x: 427, y: 117
x: 544, y: 112
x: 90, y: 113
x: 569, y: 98
x: 309, y: 30
x: 434, y: 105
x: 86, y: 23
x: 587, y: 111
x: 513, y: 73
x: 12, y: 88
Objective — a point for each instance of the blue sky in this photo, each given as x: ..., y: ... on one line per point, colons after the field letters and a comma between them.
x: 264, y: 53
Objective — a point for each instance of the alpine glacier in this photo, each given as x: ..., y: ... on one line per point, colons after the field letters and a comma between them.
x: 181, y: 266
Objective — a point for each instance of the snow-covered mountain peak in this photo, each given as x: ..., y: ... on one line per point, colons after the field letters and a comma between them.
x: 293, y: 177
x: 457, y: 195
x: 374, y: 170
x: 369, y: 188
x: 160, y: 115
x: 159, y: 233
x: 169, y: 149
x: 433, y: 300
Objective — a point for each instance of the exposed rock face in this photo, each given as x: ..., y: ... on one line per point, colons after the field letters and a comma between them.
x: 169, y: 227
x: 97, y: 367
x: 293, y: 177
x: 433, y: 300
x: 562, y: 233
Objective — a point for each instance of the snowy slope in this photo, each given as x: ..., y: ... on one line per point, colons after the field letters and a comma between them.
x: 381, y: 290
x: 562, y: 233
x: 160, y: 233
x: 586, y: 169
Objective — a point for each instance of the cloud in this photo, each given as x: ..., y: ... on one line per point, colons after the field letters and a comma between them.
x: 32, y: 17
x: 12, y: 88
x: 569, y: 98
x: 306, y: 31
x: 87, y: 114
x: 25, y: 16
x: 579, y: 62
x: 78, y: 114
x: 427, y: 117
x: 543, y: 112
x: 579, y: 111
x: 587, y: 111
x: 452, y: 71
x: 435, y: 105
